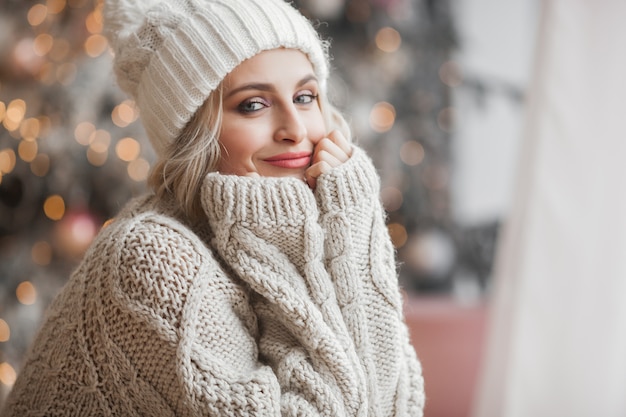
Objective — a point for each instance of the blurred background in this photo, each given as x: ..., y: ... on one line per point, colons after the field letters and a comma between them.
x: 439, y: 92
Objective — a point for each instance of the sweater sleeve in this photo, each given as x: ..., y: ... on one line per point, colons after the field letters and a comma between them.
x: 148, y: 325
x: 361, y: 260
x: 193, y: 329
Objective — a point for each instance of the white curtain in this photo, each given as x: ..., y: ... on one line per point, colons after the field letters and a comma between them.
x: 557, y: 335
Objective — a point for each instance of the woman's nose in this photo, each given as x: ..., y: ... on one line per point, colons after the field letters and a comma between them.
x: 290, y: 125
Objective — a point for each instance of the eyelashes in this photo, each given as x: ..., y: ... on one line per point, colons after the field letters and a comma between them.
x: 251, y: 106
x: 256, y: 104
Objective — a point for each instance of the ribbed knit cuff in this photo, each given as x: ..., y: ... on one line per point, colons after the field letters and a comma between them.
x: 265, y: 201
x: 353, y: 183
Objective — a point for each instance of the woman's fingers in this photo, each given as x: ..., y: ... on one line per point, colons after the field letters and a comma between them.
x: 340, y: 140
x: 314, y: 171
x: 330, y: 152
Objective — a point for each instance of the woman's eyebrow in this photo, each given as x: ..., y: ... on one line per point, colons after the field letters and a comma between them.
x: 251, y: 86
x: 267, y: 86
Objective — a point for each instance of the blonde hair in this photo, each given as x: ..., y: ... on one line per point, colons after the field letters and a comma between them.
x: 196, y: 152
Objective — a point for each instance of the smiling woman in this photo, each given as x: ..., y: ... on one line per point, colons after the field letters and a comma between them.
x: 259, y: 278
x: 272, y: 120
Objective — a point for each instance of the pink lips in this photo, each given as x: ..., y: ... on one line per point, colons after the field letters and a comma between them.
x: 290, y: 160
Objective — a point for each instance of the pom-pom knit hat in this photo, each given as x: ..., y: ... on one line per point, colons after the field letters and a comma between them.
x: 171, y: 54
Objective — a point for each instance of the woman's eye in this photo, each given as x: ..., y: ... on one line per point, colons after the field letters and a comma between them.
x: 250, y: 106
x: 305, y: 98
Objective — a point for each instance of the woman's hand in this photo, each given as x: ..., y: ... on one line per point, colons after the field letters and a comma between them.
x: 330, y: 152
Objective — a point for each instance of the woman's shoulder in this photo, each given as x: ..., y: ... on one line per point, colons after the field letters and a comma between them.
x: 152, y: 222
x: 149, y: 238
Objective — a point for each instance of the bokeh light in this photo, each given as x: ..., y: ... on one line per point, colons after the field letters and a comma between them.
x: 450, y: 74
x: 83, y: 132
x: 95, y: 45
x: 14, y: 114
x: 37, y: 14
x: 388, y: 39
x: 138, y: 169
x: 7, y: 374
x: 392, y: 198
x: 43, y: 44
x: 93, y: 23
x: 124, y: 113
x: 5, y: 331
x: 7, y: 160
x: 27, y: 150
x: 127, y: 149
x: 26, y: 293
x: 30, y: 128
x: 97, y: 158
x: 445, y: 119
x: 382, y: 117
x: 55, y: 6
x: 54, y: 207
x: 398, y: 234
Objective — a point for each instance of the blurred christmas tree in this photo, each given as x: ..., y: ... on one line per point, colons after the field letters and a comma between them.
x: 71, y: 154
x: 72, y: 151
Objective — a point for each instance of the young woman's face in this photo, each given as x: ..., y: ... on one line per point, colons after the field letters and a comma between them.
x: 271, y: 116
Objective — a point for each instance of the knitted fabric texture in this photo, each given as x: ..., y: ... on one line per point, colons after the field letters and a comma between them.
x: 283, y: 303
x: 171, y: 54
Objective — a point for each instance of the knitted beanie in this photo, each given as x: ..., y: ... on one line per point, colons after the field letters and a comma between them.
x: 171, y: 54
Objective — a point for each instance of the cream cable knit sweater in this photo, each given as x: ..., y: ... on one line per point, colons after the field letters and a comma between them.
x: 284, y: 303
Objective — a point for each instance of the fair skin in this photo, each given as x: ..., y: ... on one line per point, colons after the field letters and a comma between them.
x: 272, y: 124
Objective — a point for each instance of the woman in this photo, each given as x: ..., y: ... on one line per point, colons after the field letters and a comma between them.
x: 258, y: 279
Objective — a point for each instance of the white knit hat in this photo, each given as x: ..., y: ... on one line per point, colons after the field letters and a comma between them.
x: 171, y: 54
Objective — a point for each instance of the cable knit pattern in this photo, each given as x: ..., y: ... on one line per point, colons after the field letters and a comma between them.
x: 283, y: 303
x: 360, y: 259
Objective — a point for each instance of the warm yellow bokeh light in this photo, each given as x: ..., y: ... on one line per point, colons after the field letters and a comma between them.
x: 94, y: 22
x: 95, y: 45
x: 412, y: 153
x: 398, y: 234
x: 40, y: 165
x: 124, y: 114
x: 56, y: 6
x: 96, y: 158
x: 382, y: 117
x: 3, y: 110
x: 42, y: 253
x: 27, y: 150
x: 54, y: 207
x: 7, y: 160
x: 83, y: 132
x: 5, y: 331
x: 99, y: 141
x: 14, y: 114
x: 26, y: 293
x: 138, y: 169
x: 127, y: 149
x: 30, y: 128
x: 388, y: 39
x: 7, y: 374
x: 43, y: 44
x: 37, y: 14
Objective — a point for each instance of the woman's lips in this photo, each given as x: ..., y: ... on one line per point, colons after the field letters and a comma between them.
x: 290, y: 160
